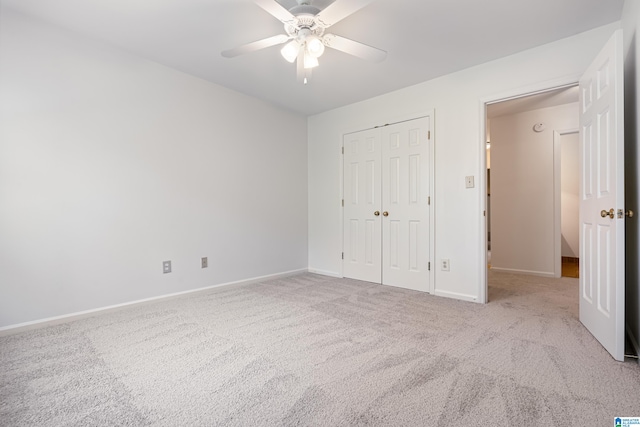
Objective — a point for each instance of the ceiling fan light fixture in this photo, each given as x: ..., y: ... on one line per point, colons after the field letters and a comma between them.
x: 305, y: 35
x: 315, y: 46
x: 310, y: 61
x: 290, y: 51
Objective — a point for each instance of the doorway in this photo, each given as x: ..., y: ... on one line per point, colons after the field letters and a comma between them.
x: 532, y: 220
x: 602, y: 208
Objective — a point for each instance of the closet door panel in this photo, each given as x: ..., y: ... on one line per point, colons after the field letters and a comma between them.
x: 362, y: 199
x: 405, y: 192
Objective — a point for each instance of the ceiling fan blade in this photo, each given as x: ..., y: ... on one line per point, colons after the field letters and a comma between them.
x: 257, y: 45
x: 338, y: 10
x: 354, y: 48
x: 276, y: 9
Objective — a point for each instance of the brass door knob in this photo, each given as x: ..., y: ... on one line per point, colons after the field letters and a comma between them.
x: 377, y: 213
x: 629, y: 213
x: 605, y: 214
x: 385, y: 213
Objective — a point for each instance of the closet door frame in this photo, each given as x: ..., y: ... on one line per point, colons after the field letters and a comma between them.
x: 430, y: 114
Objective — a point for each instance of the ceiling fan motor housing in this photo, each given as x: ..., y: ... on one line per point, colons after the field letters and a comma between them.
x: 304, y: 26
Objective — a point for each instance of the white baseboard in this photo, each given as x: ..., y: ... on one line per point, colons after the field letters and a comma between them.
x: 325, y: 272
x: 634, y: 342
x: 529, y: 272
x: 21, y: 327
x: 457, y: 295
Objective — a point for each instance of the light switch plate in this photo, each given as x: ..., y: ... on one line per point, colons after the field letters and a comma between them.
x: 469, y: 181
x: 205, y: 262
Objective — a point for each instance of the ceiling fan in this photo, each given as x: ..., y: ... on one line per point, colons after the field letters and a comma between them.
x: 305, y: 38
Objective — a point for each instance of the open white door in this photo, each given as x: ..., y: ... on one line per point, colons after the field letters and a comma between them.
x: 602, y: 212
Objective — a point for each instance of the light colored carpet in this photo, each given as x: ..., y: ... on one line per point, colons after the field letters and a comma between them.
x: 310, y: 350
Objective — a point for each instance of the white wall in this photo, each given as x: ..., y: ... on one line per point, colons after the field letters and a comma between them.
x: 522, y: 189
x: 631, y: 33
x: 110, y: 164
x: 569, y: 194
x: 459, y: 146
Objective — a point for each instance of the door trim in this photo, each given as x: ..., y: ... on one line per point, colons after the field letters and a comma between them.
x: 431, y: 149
x: 557, y: 199
x: 568, y: 81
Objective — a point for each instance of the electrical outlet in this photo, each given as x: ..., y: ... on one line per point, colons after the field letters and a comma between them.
x: 205, y: 262
x: 468, y: 181
x: 166, y: 267
x: 444, y: 264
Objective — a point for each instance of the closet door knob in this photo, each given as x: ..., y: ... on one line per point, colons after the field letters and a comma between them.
x: 605, y: 214
x: 385, y: 213
x: 377, y: 213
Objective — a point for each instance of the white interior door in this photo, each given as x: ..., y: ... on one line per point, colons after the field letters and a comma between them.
x: 362, y: 200
x: 602, y: 216
x: 405, y: 204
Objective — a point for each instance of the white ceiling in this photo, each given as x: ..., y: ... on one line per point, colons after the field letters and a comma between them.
x: 424, y: 39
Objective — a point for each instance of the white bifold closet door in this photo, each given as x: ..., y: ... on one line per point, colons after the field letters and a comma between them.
x: 386, y: 205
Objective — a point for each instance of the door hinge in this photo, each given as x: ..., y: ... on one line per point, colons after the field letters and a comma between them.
x: 429, y: 266
x: 342, y: 150
x: 428, y: 134
x: 484, y: 213
x: 342, y: 255
x: 429, y: 200
x: 343, y: 203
